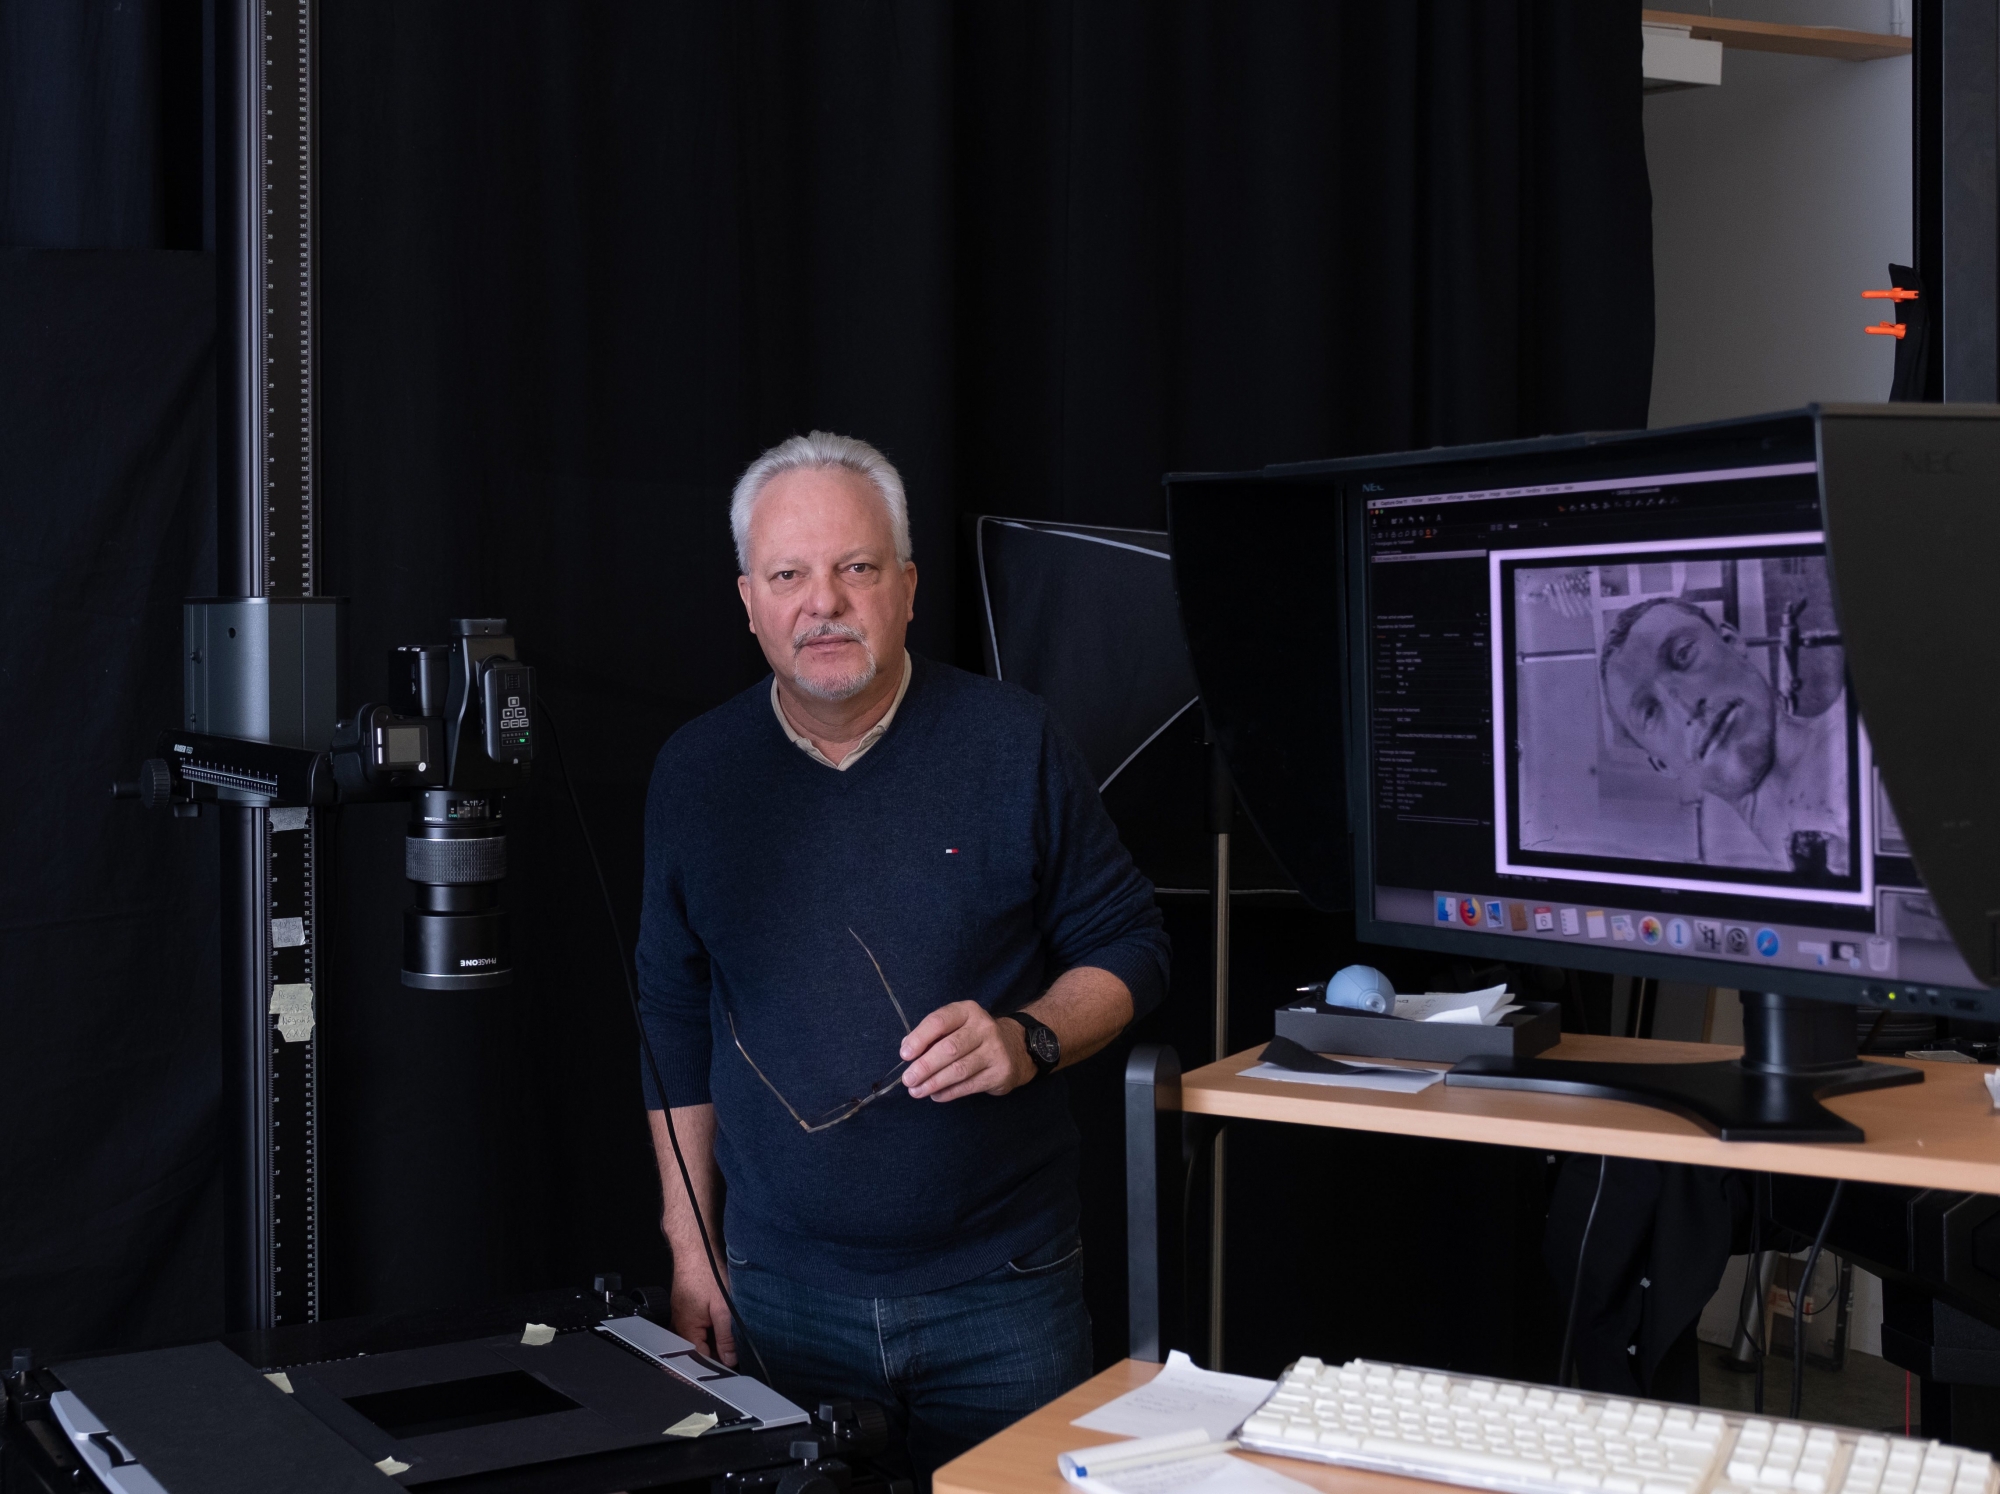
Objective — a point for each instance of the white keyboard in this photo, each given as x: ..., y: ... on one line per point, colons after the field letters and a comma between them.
x: 1535, y: 1439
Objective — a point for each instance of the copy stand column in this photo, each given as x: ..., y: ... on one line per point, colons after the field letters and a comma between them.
x: 282, y: 691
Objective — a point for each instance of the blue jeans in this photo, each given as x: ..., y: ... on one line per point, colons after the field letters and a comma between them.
x: 950, y: 1367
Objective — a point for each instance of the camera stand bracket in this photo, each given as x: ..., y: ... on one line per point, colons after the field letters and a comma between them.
x: 263, y: 669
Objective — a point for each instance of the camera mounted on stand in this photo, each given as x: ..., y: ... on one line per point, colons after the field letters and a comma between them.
x: 454, y: 734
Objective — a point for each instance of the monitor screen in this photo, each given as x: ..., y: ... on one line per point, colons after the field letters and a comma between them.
x: 1606, y: 720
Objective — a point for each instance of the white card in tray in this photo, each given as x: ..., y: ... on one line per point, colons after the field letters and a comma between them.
x: 1482, y: 1008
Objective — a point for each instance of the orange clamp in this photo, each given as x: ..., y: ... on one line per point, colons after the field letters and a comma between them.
x: 1888, y: 329
x: 1898, y: 294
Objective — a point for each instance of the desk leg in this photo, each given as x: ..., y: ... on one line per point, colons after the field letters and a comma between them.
x: 1152, y: 1180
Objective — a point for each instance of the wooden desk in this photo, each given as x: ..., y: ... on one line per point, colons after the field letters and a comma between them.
x: 1022, y: 1459
x: 1943, y: 1133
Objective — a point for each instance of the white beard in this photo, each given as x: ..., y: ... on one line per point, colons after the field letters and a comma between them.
x: 840, y: 687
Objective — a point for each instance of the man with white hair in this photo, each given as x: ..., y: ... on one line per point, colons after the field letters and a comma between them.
x: 883, y: 904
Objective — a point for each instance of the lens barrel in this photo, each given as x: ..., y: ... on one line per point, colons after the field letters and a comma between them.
x: 455, y: 855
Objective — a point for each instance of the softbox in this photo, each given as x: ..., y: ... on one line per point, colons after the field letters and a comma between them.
x: 1086, y: 617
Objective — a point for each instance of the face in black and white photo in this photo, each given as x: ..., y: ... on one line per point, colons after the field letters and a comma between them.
x: 1676, y: 707
x: 1687, y: 693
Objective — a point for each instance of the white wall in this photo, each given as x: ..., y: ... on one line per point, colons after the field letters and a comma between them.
x: 1777, y: 199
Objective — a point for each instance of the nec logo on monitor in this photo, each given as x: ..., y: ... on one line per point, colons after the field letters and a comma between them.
x: 1932, y: 463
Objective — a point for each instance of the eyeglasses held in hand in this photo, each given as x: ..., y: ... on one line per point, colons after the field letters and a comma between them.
x: 848, y: 1109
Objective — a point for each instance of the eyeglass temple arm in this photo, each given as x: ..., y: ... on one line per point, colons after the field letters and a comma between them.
x: 731, y: 1017
x: 881, y: 977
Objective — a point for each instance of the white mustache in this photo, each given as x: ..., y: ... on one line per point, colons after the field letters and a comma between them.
x: 828, y: 630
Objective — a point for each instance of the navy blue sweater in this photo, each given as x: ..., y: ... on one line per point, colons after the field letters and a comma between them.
x: 970, y: 852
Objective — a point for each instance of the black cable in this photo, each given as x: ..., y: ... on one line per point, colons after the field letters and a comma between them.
x: 1759, y: 1347
x: 1576, y: 1287
x: 1799, y: 1297
x: 1752, y: 1275
x: 646, y: 1042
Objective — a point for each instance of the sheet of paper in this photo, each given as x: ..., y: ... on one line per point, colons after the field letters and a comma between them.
x: 1993, y: 1087
x: 1396, y: 1081
x: 537, y: 1334
x: 1472, y: 1016
x: 1433, y: 1006
x: 693, y: 1425
x: 1181, y: 1396
x: 1221, y: 1474
x: 1469, y: 1016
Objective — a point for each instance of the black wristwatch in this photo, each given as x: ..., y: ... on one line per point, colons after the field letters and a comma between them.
x: 1044, y: 1047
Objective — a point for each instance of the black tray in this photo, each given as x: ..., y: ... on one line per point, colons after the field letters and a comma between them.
x: 1331, y: 1029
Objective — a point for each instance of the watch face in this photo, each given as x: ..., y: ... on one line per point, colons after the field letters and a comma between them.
x: 1043, y: 1045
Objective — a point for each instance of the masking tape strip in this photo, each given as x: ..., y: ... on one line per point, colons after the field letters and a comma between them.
x: 292, y: 1005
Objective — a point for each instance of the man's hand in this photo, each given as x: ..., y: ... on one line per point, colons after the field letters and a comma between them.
x: 695, y: 1303
x: 961, y: 1050
x: 699, y: 1313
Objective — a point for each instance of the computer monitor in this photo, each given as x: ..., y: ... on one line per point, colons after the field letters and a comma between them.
x: 1601, y: 718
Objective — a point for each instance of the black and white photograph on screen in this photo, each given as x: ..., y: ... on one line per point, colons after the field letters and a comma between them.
x: 1678, y: 715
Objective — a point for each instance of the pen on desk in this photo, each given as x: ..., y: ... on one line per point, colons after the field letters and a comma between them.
x: 1109, y: 1460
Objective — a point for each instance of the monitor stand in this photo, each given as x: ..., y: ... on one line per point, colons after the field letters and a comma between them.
x: 1795, y: 1053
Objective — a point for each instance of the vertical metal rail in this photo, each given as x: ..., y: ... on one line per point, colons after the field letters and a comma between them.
x: 1927, y: 177
x: 1222, y: 795
x: 1969, y: 147
x: 266, y: 513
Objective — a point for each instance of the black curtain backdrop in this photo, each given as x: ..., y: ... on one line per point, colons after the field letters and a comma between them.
x: 580, y: 263
x: 110, y: 1072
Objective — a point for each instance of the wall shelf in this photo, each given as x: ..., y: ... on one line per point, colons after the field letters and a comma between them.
x: 1767, y: 36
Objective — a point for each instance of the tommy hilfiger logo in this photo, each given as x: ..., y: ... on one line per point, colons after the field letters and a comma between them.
x: 951, y: 850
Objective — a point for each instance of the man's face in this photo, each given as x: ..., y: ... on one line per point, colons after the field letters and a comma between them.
x: 827, y: 598
x: 1691, y: 699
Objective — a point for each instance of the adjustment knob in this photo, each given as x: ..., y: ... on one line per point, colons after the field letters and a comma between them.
x: 806, y: 1481
x: 156, y: 783
x: 870, y: 1430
